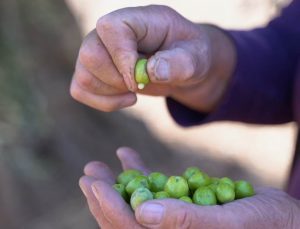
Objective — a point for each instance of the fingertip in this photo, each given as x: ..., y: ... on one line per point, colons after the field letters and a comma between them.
x: 123, y: 151
x: 90, y: 167
x: 99, y: 171
x: 171, y: 66
x: 130, y: 82
x: 130, y: 100
x: 85, y: 184
x: 97, y: 188
x: 130, y: 159
x: 158, y: 68
x: 86, y: 181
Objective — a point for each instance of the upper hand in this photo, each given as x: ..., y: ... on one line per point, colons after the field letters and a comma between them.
x: 187, y: 61
x: 269, y: 208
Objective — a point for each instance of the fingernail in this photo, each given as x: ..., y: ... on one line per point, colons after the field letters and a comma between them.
x: 83, y: 190
x: 151, y: 213
x: 95, y: 191
x: 162, y: 70
x: 128, y: 82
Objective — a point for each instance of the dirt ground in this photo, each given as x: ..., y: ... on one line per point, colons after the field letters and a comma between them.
x: 46, y: 137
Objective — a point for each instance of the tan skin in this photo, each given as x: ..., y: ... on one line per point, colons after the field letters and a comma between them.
x: 269, y: 208
x: 198, y: 59
x: 189, y: 62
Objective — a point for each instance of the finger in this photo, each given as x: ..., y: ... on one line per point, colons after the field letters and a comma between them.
x: 94, y: 57
x: 121, y: 43
x: 125, y: 31
x: 114, y: 208
x: 99, y: 171
x: 130, y: 159
x: 85, y: 184
x: 102, y: 103
x: 181, y: 63
x: 88, y: 82
x: 170, y: 213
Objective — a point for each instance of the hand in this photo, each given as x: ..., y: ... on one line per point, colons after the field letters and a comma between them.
x: 186, y: 61
x: 269, y: 208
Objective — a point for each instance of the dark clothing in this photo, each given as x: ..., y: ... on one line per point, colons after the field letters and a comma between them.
x: 265, y: 87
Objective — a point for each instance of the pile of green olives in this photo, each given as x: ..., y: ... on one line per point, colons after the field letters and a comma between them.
x: 193, y: 186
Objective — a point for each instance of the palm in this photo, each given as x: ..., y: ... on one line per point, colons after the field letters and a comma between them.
x: 269, y: 208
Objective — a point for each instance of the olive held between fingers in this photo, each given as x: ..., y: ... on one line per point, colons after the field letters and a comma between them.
x: 140, y: 73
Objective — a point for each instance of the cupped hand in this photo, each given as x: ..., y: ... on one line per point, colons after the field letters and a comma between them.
x: 269, y: 208
x: 186, y: 61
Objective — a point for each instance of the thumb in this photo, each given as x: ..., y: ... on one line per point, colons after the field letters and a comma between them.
x: 185, y: 61
x: 170, y: 213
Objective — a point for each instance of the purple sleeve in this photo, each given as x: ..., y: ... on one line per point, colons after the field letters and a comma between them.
x: 260, y: 90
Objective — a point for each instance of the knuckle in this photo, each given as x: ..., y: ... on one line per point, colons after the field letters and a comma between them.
x: 105, y: 24
x: 92, y: 166
x: 85, y: 81
x: 183, y: 219
x: 89, y: 167
x: 91, y: 54
x: 75, y: 92
x: 86, y: 56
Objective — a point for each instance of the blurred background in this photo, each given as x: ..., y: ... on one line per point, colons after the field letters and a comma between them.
x: 46, y: 137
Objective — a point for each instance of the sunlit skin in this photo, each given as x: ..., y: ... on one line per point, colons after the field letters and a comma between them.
x: 269, y: 208
x: 189, y: 62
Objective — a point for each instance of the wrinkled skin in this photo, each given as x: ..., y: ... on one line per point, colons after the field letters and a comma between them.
x: 187, y: 61
x: 269, y: 208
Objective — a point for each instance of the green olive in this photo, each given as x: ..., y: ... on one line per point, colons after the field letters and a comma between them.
x: 204, y: 196
x: 214, y: 180
x: 139, y: 196
x: 243, y: 189
x: 190, y: 171
x: 157, y: 181
x: 127, y: 176
x: 227, y: 181
x: 137, y: 182
x: 213, y: 187
x: 177, y: 187
x: 141, y: 75
x: 186, y: 199
x: 198, y: 179
x: 225, y: 193
x: 120, y: 188
x: 161, y: 195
